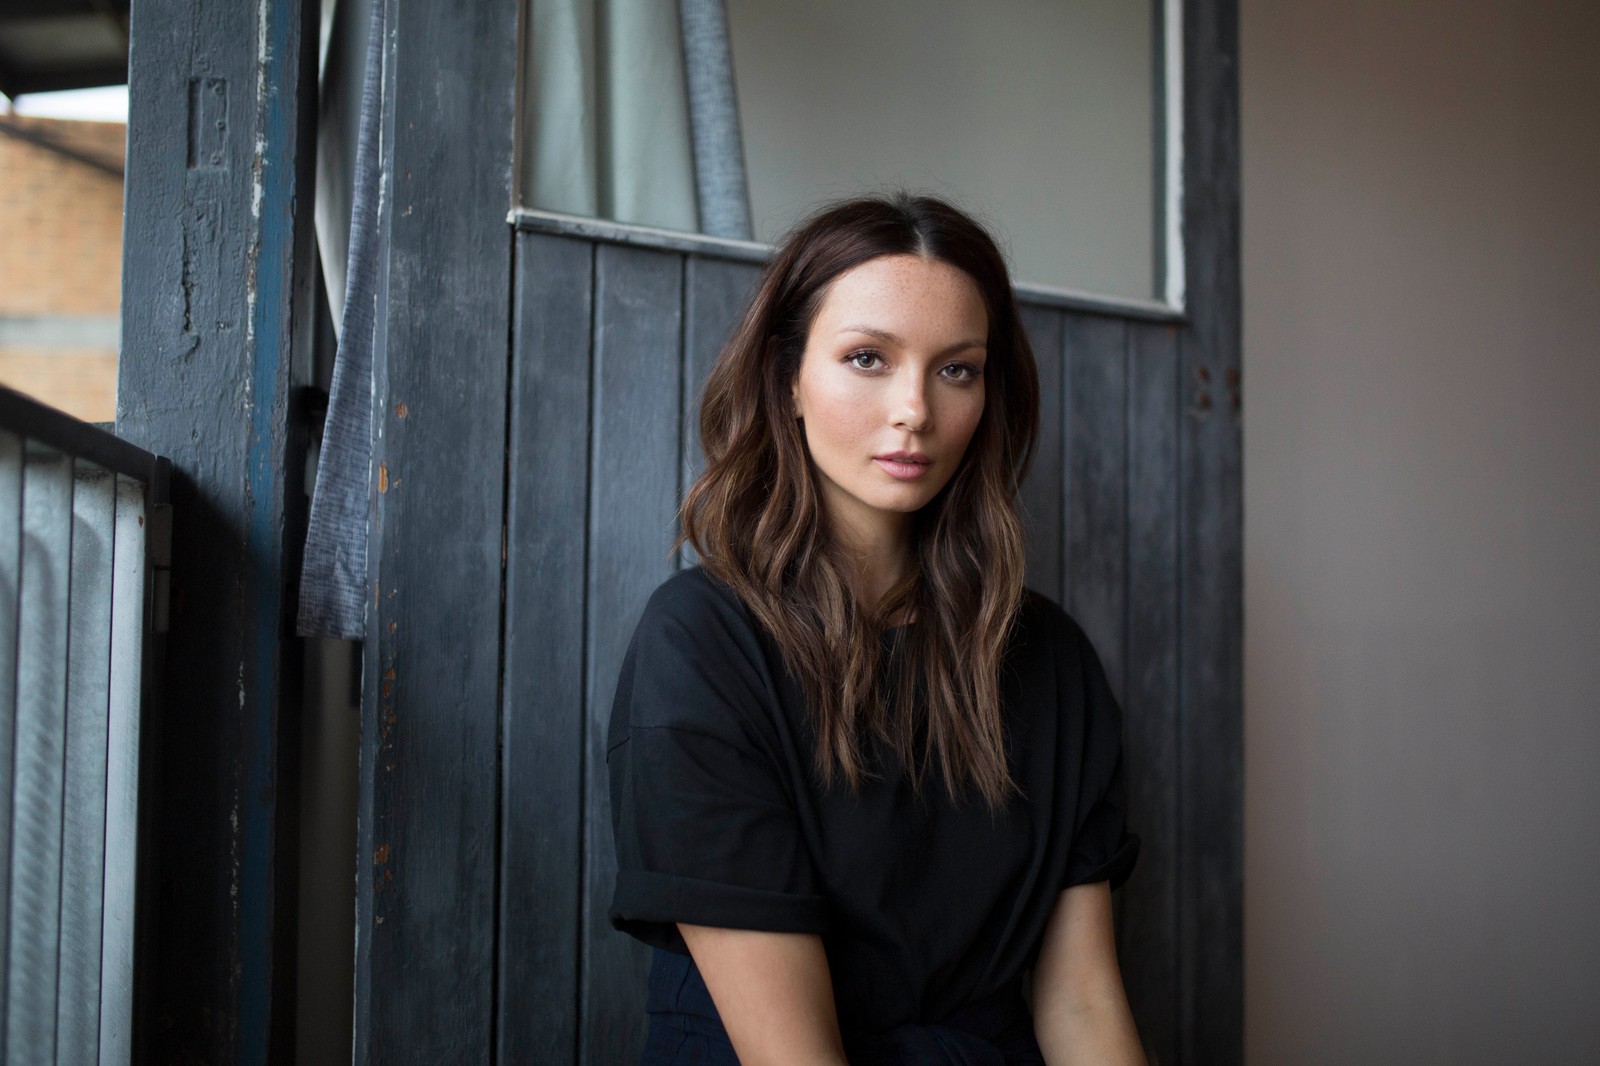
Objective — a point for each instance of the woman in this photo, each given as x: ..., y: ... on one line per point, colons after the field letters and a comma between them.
x: 862, y: 781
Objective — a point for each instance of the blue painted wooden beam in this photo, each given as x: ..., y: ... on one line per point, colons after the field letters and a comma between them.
x: 216, y: 249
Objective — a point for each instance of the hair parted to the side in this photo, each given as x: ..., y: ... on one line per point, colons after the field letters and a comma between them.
x: 756, y: 518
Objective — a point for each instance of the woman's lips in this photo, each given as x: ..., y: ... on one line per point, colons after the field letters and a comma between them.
x: 904, y: 466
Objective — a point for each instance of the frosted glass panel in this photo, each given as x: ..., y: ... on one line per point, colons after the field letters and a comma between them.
x: 1042, y: 117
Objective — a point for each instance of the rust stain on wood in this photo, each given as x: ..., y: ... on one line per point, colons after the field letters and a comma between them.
x: 381, y: 855
x: 383, y: 477
x: 400, y: 410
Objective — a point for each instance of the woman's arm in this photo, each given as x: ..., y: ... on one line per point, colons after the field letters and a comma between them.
x: 773, y: 993
x: 1080, y: 1011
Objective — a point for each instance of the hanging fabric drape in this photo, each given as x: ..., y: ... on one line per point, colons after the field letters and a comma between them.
x: 628, y: 114
x: 334, y: 572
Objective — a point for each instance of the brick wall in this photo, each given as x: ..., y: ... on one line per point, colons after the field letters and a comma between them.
x: 61, y: 265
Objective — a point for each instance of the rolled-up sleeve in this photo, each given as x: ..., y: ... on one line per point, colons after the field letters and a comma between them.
x: 702, y: 810
x: 1102, y: 847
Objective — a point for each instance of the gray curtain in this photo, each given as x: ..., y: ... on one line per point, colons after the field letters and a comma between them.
x: 628, y: 114
x: 343, y: 68
x: 720, y: 191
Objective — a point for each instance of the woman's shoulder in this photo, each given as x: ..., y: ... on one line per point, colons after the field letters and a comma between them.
x: 695, y: 661
x: 1056, y: 637
x: 692, y: 612
x: 693, y: 597
x: 1044, y: 620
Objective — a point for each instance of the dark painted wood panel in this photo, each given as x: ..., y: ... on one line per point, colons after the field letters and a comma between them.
x: 542, y: 750
x: 1210, y: 890
x: 716, y: 292
x: 1096, y: 415
x: 429, y: 785
x: 634, y: 470
x: 1043, y: 511
x: 1146, y: 931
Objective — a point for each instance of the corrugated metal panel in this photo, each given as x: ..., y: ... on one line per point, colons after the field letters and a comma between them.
x: 74, y: 617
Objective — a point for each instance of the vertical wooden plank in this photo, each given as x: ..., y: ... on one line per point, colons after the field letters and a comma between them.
x: 1211, y: 841
x: 716, y: 293
x: 125, y: 682
x: 543, y: 754
x: 1097, y: 578
x: 634, y: 473
x: 217, y: 241
x: 32, y: 956
x: 428, y: 823
x: 1147, y: 936
x: 1043, y: 492
x: 10, y: 609
x: 83, y: 820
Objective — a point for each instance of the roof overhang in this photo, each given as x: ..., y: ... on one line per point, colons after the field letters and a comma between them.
x: 48, y: 45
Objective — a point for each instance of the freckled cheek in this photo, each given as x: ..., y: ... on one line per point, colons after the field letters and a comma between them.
x: 962, y: 416
x: 841, y: 416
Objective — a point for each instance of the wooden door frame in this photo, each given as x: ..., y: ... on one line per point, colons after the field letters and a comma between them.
x: 421, y: 876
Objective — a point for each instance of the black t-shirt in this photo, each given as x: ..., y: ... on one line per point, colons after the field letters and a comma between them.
x: 923, y: 906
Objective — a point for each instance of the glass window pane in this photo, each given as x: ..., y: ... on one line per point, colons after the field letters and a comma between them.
x: 1041, y: 117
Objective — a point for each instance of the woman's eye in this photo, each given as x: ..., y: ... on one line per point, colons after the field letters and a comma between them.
x: 963, y: 372
x: 854, y: 359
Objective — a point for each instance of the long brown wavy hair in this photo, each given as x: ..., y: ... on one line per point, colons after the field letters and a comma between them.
x: 756, y: 519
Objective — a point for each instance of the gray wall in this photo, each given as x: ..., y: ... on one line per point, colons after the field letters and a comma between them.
x: 1037, y: 115
x: 1422, y: 531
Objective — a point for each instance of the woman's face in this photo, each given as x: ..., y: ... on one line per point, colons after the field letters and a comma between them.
x: 890, y: 388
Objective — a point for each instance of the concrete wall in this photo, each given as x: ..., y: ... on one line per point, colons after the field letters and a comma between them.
x: 1422, y: 531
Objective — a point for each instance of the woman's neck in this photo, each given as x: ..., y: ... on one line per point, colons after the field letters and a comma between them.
x: 881, y: 555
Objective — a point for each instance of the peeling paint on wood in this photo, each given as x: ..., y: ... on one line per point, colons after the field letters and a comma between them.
x: 428, y: 785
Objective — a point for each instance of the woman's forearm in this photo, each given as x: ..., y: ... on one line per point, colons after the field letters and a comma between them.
x: 1080, y: 1009
x: 1101, y: 1032
x: 773, y: 993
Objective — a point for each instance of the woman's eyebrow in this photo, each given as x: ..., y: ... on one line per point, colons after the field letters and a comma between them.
x: 891, y: 338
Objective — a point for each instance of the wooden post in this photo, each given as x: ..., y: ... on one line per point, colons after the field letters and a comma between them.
x: 1210, y: 556
x: 217, y: 245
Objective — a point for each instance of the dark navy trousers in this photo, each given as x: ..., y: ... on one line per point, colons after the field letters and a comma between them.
x: 686, y: 1031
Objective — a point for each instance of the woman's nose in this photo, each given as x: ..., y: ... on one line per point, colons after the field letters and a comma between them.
x: 911, y: 406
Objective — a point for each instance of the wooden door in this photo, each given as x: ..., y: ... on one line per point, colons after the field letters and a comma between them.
x: 526, y: 511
